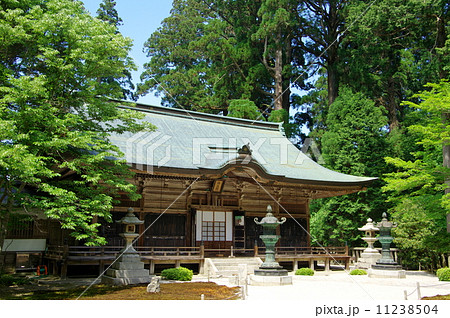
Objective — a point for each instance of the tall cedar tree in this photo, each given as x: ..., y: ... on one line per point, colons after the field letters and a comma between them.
x: 108, y: 13
x: 207, y: 53
x: 354, y: 143
x: 391, y: 50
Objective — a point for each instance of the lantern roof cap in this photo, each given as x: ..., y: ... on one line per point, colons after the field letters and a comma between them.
x: 369, y: 226
x: 385, y: 223
x: 269, y: 218
x: 130, y: 218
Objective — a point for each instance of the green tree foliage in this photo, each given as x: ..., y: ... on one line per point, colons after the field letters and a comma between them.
x: 323, y: 28
x: 391, y: 50
x: 355, y: 131
x: 108, y: 13
x: 207, y: 53
x: 55, y: 155
x: 243, y: 108
x: 354, y: 143
x: 417, y: 235
x: 417, y: 186
x: 278, y: 22
x: 201, y: 57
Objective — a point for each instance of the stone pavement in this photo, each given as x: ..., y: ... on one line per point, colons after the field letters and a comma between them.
x: 338, y: 285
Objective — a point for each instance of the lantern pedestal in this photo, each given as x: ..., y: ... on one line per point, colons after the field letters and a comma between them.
x: 257, y: 280
x: 389, y: 272
x: 128, y: 268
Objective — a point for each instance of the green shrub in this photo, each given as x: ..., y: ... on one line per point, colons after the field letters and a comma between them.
x: 443, y: 274
x: 304, y: 271
x: 358, y: 272
x: 9, y: 280
x: 179, y: 273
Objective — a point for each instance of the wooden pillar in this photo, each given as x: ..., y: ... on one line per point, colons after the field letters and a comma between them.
x: 202, y: 251
x: 101, y: 264
x: 152, y: 267
x: 101, y: 267
x: 141, y: 229
x: 347, y: 265
x: 327, y: 264
x: 201, y: 267
x: 54, y: 267
x: 308, y: 218
x: 295, y: 264
x: 188, y: 228
x: 64, y: 262
x: 177, y: 263
x: 311, y: 263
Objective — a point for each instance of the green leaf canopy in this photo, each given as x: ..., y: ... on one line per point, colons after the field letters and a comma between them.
x: 55, y: 155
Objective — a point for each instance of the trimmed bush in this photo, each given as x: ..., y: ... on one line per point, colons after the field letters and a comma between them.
x: 304, y: 271
x: 443, y: 274
x: 179, y: 273
x: 9, y: 280
x: 358, y: 272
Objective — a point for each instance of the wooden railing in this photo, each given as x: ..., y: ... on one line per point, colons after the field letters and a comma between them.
x: 56, y: 251
x: 111, y: 252
x: 283, y: 251
x: 170, y: 251
x: 293, y: 251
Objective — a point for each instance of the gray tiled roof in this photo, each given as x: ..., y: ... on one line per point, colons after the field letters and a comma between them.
x: 197, y: 141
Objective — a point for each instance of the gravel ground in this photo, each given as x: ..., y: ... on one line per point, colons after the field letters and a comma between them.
x: 340, y: 286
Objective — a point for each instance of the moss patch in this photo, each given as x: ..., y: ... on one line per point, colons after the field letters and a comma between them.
x: 437, y: 297
x: 169, y: 291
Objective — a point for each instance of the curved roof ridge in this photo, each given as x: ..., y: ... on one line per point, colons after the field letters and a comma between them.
x: 194, y: 115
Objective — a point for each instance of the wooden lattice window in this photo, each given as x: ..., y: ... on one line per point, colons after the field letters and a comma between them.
x: 213, y: 230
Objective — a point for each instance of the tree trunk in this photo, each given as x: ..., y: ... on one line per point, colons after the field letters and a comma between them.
x: 333, y: 20
x: 446, y: 151
x: 391, y: 104
x: 333, y: 82
x: 278, y: 76
x: 3, y: 231
x: 287, y: 81
x: 441, y: 37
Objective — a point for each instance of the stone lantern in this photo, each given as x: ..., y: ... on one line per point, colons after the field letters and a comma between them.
x: 386, y: 239
x: 370, y: 255
x: 129, y: 221
x: 270, y: 267
x: 386, y: 266
x: 128, y: 268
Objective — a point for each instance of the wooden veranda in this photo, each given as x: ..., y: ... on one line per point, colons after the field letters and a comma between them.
x: 60, y: 257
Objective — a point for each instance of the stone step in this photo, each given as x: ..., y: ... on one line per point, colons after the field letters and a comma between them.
x: 229, y: 267
x: 250, y: 269
x: 255, y: 263
x: 235, y: 261
x: 227, y: 273
x: 224, y: 265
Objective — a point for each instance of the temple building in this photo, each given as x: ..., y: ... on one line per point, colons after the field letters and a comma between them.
x: 203, y: 179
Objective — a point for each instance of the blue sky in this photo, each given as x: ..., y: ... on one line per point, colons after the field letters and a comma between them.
x: 140, y: 19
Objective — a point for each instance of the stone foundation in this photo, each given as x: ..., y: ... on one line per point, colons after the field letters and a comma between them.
x: 270, y: 280
x: 386, y: 273
x: 127, y: 270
